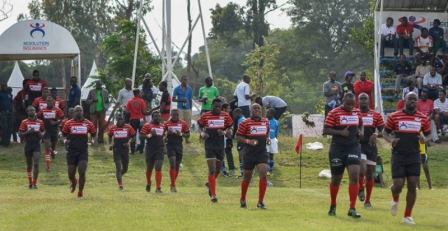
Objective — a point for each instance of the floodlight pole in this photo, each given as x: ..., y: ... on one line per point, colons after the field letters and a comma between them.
x: 137, y: 36
x: 205, y: 40
x: 169, y: 60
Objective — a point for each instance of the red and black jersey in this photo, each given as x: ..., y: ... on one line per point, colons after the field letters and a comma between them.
x: 371, y: 119
x: 154, y: 141
x: 408, y: 128
x: 175, y: 126
x: 121, y: 135
x: 77, y: 132
x: 33, y: 89
x: 61, y: 125
x: 254, y: 129
x: 59, y: 103
x: 166, y: 98
x: 339, y: 119
x: 40, y: 103
x: 48, y: 114
x: 212, y: 124
x: 28, y: 124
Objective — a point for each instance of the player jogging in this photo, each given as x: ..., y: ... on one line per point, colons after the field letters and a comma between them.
x: 238, y: 118
x: 31, y: 130
x: 76, y: 133
x: 175, y: 129
x: 41, y: 102
x: 371, y: 120
x: 123, y: 134
x: 153, y: 133
x: 213, y: 125
x: 274, y: 127
x: 407, y: 125
x: 254, y: 132
x: 344, y: 124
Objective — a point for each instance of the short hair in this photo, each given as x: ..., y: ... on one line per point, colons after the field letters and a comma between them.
x: 174, y: 110
x: 164, y: 84
x: 77, y: 106
x: 119, y: 115
x: 208, y: 78
x: 136, y: 92
x: 183, y: 76
x: 53, y: 89
x: 45, y: 88
x: 35, y: 71
x: 74, y: 77
x: 348, y: 95
x: 258, y: 98
x: 410, y: 82
x: 271, y: 110
x: 155, y: 112
x: 246, y: 76
x: 437, y: 21
x: 389, y: 18
x: 30, y: 107
x: 216, y: 100
x: 225, y: 105
x: 404, y: 17
x: 24, y: 82
x: 237, y: 110
x: 443, y: 92
x: 424, y: 29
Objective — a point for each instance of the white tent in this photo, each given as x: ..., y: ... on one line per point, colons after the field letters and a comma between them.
x: 87, y: 86
x: 16, y: 79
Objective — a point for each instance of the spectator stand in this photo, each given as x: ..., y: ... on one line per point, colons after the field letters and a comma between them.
x: 420, y: 14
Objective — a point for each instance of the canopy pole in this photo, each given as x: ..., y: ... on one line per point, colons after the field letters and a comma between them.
x: 137, y: 38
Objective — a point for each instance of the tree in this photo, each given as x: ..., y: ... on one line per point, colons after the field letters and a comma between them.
x: 229, y: 24
x: 364, y: 36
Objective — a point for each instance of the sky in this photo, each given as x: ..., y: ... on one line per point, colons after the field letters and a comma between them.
x: 179, y: 24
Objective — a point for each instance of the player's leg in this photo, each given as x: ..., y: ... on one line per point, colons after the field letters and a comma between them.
x: 47, y: 144
x: 370, y: 182
x: 82, y: 169
x: 173, y: 165
x: 426, y: 170
x: 158, y: 166
x: 248, y: 167
x: 118, y: 169
x: 177, y: 163
x: 29, y: 169
x: 124, y: 162
x: 149, y: 168
x: 263, y: 183
x: 337, y: 170
x: 362, y: 172
x: 353, y: 188
x: 72, y: 177
x: 53, y: 140
x: 411, y: 197
x: 398, y: 168
x: 229, y: 156
x: 212, y: 164
x: 36, y: 157
x: 240, y: 158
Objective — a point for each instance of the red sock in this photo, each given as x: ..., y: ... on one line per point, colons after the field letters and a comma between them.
x: 75, y: 181
x: 80, y: 193
x: 395, y: 198
x: 212, y: 184
x: 48, y: 159
x: 369, y: 187
x: 158, y: 179
x: 262, y: 189
x: 120, y: 184
x: 148, y: 177
x: 353, y: 193
x: 407, y: 212
x: 34, y: 182
x: 30, y: 175
x: 333, y: 194
x: 177, y: 173
x: 244, y: 187
x: 173, y: 177
x: 361, y: 182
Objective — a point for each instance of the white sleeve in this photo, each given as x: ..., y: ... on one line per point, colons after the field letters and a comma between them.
x: 247, y: 90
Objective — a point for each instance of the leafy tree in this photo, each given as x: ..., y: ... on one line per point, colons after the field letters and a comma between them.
x: 364, y: 36
x: 229, y: 24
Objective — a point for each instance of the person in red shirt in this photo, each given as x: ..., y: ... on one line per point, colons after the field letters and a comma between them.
x: 33, y: 88
x: 31, y: 130
x: 58, y: 102
x: 407, y: 125
x: 41, y: 102
x: 400, y: 105
x: 363, y: 85
x: 52, y: 117
x: 136, y: 108
x: 123, y: 134
x: 175, y: 129
x: 404, y: 31
x: 426, y: 106
x: 213, y: 125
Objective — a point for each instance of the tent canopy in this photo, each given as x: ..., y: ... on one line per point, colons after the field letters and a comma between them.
x: 16, y: 78
x: 36, y: 39
x: 413, y: 5
x: 88, y: 84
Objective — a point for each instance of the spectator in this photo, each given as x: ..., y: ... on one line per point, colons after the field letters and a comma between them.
x: 437, y: 35
x: 432, y: 83
x: 165, y: 103
x: 75, y: 93
x: 348, y: 85
x: 363, y: 85
x: 7, y: 115
x: 400, y: 105
x: 136, y: 108
x: 442, y: 68
x: 33, y: 88
x: 402, y: 72
x: 423, y: 44
x: 273, y: 102
x: 149, y: 93
x: 332, y: 89
x: 206, y: 95
x: 420, y: 73
x: 410, y: 88
x: 426, y: 106
x: 183, y: 95
x: 441, y: 112
x: 388, y: 36
x: 242, y: 93
x: 404, y: 31
x: 98, y: 99
x: 19, y: 113
x: 124, y: 95
x: 379, y: 170
x: 58, y: 102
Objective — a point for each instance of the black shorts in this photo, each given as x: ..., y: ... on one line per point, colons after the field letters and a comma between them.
x: 75, y: 156
x: 214, y: 154
x: 405, y: 165
x: 249, y: 162
x: 240, y: 147
x: 371, y: 152
x: 51, y: 137
x: 175, y: 150
x: 424, y: 158
x: 30, y: 149
x: 121, y: 155
x: 152, y: 154
x: 342, y: 156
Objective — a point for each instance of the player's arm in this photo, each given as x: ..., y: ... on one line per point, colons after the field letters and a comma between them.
x: 185, y: 130
x: 388, y: 129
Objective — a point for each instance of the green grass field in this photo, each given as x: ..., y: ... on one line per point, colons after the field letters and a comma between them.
x: 53, y: 207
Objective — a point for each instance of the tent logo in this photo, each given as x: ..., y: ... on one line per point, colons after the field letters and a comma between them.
x: 37, y: 27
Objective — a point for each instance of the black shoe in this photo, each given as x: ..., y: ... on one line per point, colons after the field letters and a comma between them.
x: 34, y: 186
x: 214, y: 199
x: 261, y: 205
x: 148, y: 188
x: 361, y: 195
x: 367, y: 205
x: 353, y: 213
x: 209, y: 191
x: 437, y: 142
x: 243, y: 204
x: 121, y: 188
x: 30, y: 186
x: 159, y: 190
x: 332, y: 211
x: 226, y: 174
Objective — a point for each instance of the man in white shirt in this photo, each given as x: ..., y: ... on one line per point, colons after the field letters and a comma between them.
x: 441, y: 111
x: 273, y: 102
x: 242, y: 94
x: 388, y: 36
x: 423, y: 44
x: 124, y: 95
x: 432, y: 83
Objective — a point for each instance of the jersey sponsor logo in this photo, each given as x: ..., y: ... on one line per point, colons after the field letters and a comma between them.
x: 353, y: 156
x: 159, y: 131
x: 175, y: 128
x: 35, y: 126
x: 258, y: 129
x: 409, y: 126
x: 354, y: 113
x: 216, y: 123
x: 50, y: 115
x: 367, y: 121
x: 418, y: 118
x: 336, y: 162
x: 42, y: 105
x: 36, y: 87
x: 349, y: 120
x: 221, y: 117
x: 121, y: 134
x: 369, y: 114
x: 78, y: 130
